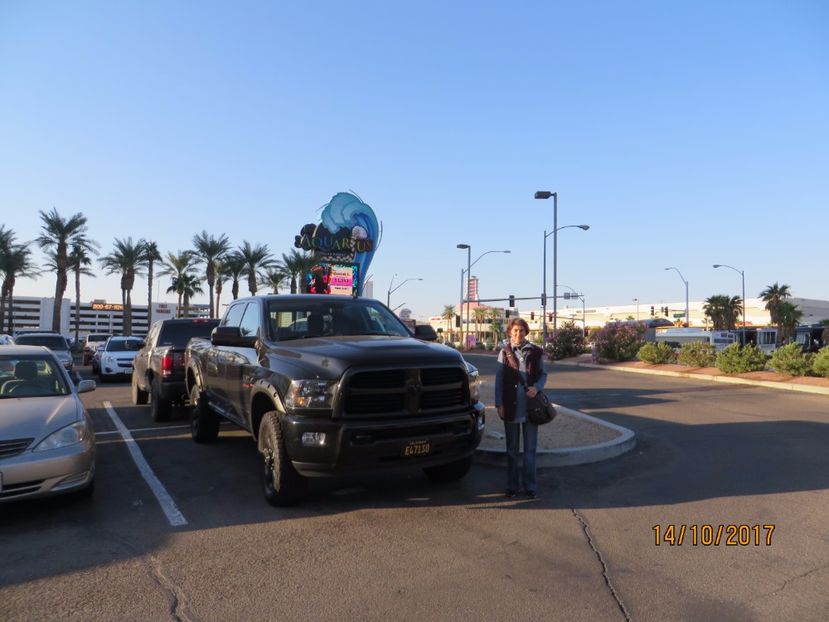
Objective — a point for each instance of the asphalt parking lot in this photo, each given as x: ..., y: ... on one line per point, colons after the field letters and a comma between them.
x: 595, y: 545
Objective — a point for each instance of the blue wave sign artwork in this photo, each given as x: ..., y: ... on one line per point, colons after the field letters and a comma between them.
x: 343, y: 243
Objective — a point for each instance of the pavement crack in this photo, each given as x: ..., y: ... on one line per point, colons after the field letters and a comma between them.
x: 791, y: 580
x: 175, y: 595
x: 585, y: 528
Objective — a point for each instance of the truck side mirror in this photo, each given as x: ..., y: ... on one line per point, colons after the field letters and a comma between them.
x: 231, y: 336
x: 425, y: 332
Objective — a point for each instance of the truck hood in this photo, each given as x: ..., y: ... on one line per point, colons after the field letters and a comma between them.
x: 330, y: 357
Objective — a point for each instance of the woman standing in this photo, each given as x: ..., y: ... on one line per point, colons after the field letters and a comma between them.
x: 519, y: 375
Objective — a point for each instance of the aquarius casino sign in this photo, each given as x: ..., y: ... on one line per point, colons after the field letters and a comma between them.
x: 343, y: 245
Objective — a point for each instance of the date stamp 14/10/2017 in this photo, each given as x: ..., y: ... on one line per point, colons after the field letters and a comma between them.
x: 713, y: 535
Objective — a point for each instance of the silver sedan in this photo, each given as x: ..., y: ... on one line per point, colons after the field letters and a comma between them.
x: 47, y: 441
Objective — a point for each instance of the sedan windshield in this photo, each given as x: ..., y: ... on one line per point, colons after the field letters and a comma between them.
x: 53, y: 342
x: 323, y: 318
x: 123, y: 345
x: 30, y: 376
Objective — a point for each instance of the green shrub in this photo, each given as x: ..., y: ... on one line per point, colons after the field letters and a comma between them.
x: 740, y: 360
x: 656, y: 353
x: 820, y: 364
x: 697, y: 354
x: 617, y: 341
x: 568, y: 341
x: 790, y: 360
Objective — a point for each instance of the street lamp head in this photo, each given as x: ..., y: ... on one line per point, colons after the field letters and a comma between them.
x: 583, y: 227
x: 543, y: 194
x: 463, y: 245
x: 717, y: 265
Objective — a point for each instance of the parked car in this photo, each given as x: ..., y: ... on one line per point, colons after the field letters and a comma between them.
x: 96, y: 358
x: 47, y: 440
x: 158, y: 369
x: 6, y: 340
x: 117, y: 357
x: 90, y: 345
x: 54, y: 341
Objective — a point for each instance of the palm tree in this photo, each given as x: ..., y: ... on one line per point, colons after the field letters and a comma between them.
x: 723, y: 310
x: 275, y: 278
x: 78, y: 261
x: 178, y: 267
x: 128, y: 259
x: 297, y: 265
x: 788, y: 318
x: 151, y: 255
x: 480, y: 314
x: 6, y: 244
x: 448, y: 315
x: 186, y: 285
x: 495, y: 325
x: 59, y: 234
x: 16, y: 263
x: 209, y: 250
x: 257, y: 259
x: 774, y: 296
x: 233, y: 267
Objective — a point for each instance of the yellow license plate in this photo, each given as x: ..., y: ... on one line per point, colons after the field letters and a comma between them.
x: 417, y: 448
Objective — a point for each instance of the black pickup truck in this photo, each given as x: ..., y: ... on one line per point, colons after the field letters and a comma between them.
x: 158, y: 368
x: 333, y: 384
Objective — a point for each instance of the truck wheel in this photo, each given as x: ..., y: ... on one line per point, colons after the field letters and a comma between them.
x: 204, y: 423
x: 281, y: 483
x: 159, y: 407
x: 449, y: 472
x: 139, y: 397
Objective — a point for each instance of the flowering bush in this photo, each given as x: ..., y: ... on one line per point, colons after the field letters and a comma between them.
x: 820, y: 364
x: 791, y: 360
x: 697, y: 354
x: 656, y: 353
x: 568, y: 341
x: 739, y: 360
x: 617, y: 341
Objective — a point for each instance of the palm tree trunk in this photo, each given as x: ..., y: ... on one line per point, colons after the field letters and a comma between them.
x: 3, y: 306
x: 149, y: 294
x: 128, y: 314
x: 10, y: 300
x: 77, y: 303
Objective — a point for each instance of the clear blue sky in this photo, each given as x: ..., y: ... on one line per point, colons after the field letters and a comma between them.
x: 684, y: 135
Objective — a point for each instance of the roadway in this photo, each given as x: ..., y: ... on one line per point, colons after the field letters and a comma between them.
x: 394, y: 546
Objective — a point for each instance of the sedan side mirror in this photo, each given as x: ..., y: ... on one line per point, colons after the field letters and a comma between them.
x: 85, y: 386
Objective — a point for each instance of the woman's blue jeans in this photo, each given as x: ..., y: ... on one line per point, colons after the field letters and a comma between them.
x: 513, y: 433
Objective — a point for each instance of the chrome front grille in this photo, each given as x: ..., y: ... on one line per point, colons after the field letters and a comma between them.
x: 404, y: 392
x: 13, y: 446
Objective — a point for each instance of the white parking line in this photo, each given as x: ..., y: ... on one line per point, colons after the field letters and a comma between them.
x: 168, y: 506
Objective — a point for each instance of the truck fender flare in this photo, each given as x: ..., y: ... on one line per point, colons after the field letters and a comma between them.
x: 263, y: 398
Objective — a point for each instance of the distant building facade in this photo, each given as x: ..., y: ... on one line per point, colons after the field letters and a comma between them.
x: 97, y: 316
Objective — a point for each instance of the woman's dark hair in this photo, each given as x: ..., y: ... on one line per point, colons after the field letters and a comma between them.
x: 517, y: 321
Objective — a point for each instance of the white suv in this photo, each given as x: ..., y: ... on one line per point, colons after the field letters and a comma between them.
x: 91, y: 344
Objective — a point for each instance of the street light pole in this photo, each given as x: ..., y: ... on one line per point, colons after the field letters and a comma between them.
x: 743, y: 278
x: 687, y: 312
x: 636, y: 300
x: 468, y: 273
x: 469, y: 279
x: 544, y: 284
x: 391, y: 291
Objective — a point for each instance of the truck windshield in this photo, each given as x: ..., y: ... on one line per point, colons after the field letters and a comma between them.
x: 324, y: 318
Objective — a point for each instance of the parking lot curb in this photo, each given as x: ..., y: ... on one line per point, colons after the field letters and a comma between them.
x: 785, y: 386
x: 571, y: 456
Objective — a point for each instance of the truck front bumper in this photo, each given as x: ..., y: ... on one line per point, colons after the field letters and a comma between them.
x: 366, y: 445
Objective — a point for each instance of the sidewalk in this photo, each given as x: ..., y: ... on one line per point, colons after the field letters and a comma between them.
x: 571, y: 438
x: 768, y: 379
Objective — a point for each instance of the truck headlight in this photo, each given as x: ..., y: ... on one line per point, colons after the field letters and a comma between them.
x: 310, y: 394
x: 474, y: 385
x: 69, y: 435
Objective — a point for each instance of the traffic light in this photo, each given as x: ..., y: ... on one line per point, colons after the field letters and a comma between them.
x: 457, y: 321
x: 532, y: 315
x: 543, y: 300
x: 549, y: 317
x: 665, y: 311
x: 652, y: 311
x: 506, y: 312
x: 511, y: 301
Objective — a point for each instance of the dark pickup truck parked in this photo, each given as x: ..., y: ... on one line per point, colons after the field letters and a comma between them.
x: 333, y: 384
x: 158, y: 368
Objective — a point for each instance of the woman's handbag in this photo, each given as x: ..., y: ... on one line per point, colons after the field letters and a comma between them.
x: 540, y: 409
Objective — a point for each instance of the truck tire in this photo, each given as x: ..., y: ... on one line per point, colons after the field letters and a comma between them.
x: 450, y: 471
x: 160, y: 408
x: 139, y: 397
x: 204, y: 423
x: 281, y: 484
